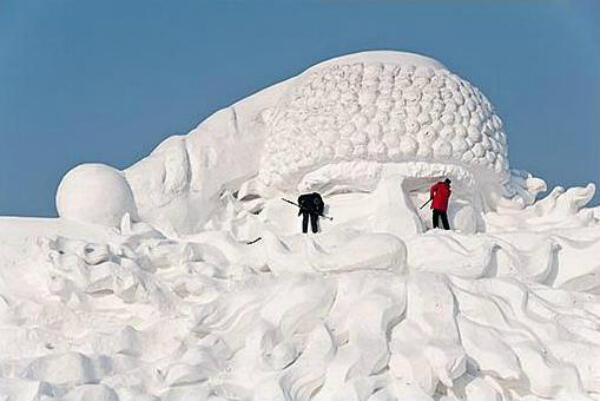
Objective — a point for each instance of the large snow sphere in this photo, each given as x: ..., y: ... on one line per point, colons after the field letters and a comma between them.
x: 95, y: 193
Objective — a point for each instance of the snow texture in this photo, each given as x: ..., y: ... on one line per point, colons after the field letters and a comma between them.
x: 147, y: 288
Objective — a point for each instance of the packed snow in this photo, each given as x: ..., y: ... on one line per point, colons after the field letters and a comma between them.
x: 152, y: 285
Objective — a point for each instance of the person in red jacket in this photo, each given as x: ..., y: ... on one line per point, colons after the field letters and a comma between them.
x: 440, y: 193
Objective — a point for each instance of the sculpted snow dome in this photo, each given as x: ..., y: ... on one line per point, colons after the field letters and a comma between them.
x: 383, y: 107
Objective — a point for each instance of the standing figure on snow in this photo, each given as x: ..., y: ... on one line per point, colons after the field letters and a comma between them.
x: 311, y: 206
x: 440, y: 194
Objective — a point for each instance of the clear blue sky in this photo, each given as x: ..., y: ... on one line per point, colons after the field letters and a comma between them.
x: 106, y: 81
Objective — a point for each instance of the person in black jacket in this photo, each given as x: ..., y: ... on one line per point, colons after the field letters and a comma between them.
x: 311, y: 206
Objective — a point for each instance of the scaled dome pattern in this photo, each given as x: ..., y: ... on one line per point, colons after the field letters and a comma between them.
x: 383, y: 112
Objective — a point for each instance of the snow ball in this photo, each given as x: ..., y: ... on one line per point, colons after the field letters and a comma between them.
x: 404, y: 82
x: 397, y: 127
x: 474, y: 133
x: 448, y: 118
x: 486, y: 143
x: 459, y: 145
x: 460, y: 131
x: 424, y: 118
x: 427, y: 135
x: 451, y: 84
x: 360, y: 151
x: 412, y: 95
x: 424, y: 151
x: 431, y: 91
x: 446, y: 94
x: 442, y: 149
x: 467, y: 156
x: 497, y: 122
x: 408, y: 146
x: 436, y: 123
x: 391, y: 140
x: 450, y: 107
x: 412, y: 126
x: 478, y: 150
x: 458, y: 98
x: 476, y: 121
x: 464, y: 112
x: 413, y: 109
x: 95, y: 193
x: 420, y: 82
x: 437, y: 81
x: 447, y: 132
x: 470, y: 104
x: 373, y: 130
x: 437, y: 105
x: 360, y: 120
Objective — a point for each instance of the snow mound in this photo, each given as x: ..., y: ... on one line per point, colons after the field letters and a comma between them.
x: 95, y: 193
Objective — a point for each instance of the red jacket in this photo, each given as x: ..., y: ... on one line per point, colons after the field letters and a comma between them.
x: 440, y: 193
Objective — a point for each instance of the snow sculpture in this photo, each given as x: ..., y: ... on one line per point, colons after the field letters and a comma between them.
x: 392, y: 110
x: 177, y: 303
x: 95, y: 193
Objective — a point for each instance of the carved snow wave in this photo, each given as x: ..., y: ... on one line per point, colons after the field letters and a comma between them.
x: 444, y: 316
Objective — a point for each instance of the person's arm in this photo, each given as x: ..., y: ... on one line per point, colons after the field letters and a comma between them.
x: 320, y: 206
x: 432, y: 191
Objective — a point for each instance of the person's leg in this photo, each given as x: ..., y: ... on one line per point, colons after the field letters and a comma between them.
x: 435, y: 218
x: 444, y: 216
x: 304, y: 223
x: 314, y: 222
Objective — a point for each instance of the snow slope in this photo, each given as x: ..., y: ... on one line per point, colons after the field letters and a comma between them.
x: 159, y: 296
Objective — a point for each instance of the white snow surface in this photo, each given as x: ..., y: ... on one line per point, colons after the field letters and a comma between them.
x: 146, y: 287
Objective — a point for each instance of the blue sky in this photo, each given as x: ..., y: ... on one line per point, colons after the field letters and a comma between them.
x: 106, y: 81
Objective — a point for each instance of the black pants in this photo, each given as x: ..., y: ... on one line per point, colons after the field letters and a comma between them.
x: 436, y: 216
x: 314, y: 222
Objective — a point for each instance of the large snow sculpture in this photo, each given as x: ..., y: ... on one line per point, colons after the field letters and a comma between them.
x: 177, y: 303
x: 95, y: 193
x: 313, y: 131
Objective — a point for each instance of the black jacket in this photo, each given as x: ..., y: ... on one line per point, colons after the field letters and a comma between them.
x: 311, y: 203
